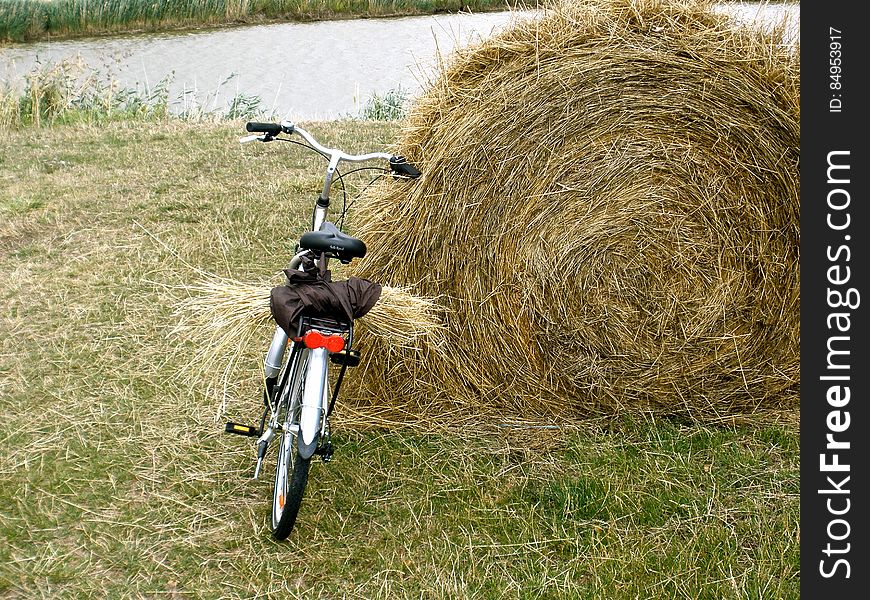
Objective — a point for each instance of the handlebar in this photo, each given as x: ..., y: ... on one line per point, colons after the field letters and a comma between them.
x: 272, y: 129
x: 398, y: 164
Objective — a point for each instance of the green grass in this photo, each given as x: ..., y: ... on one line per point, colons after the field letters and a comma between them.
x: 72, y: 92
x: 22, y: 20
x: 115, y: 480
x: 391, y: 106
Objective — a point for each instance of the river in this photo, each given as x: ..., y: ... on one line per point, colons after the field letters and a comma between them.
x: 301, y: 71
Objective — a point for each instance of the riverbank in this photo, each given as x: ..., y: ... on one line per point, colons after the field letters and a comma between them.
x: 33, y: 20
x: 36, y: 20
x: 72, y: 92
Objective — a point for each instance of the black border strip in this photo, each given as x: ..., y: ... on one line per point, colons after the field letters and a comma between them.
x: 835, y: 301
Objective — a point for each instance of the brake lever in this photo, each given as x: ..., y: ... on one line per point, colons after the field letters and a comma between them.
x: 400, y: 168
x: 256, y: 138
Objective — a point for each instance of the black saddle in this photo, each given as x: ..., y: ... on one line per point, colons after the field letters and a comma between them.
x: 332, y: 241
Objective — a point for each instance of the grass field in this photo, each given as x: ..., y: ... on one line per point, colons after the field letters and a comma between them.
x: 116, y: 481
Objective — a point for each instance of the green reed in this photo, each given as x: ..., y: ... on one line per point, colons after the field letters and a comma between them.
x: 391, y: 106
x: 23, y: 20
x: 70, y: 91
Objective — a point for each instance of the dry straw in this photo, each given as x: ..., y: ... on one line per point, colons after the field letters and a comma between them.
x: 608, y: 220
x: 230, y: 325
x: 609, y: 211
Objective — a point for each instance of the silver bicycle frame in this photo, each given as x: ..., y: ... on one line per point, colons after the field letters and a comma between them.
x: 275, y: 355
x: 316, y: 391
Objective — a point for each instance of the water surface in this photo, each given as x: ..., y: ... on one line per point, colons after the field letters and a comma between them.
x: 301, y: 71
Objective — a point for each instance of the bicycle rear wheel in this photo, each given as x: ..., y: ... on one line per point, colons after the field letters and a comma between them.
x: 291, y: 470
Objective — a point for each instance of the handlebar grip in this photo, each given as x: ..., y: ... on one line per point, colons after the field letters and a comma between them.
x: 401, y: 166
x: 269, y: 128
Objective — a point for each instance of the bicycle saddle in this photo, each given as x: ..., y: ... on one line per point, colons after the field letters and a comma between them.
x: 332, y: 241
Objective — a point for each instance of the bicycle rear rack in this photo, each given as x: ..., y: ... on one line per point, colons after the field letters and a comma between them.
x: 323, y: 324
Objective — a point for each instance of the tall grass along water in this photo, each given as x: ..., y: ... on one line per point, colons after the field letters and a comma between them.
x: 22, y: 20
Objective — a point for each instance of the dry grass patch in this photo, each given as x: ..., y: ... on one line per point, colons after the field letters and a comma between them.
x: 115, y: 480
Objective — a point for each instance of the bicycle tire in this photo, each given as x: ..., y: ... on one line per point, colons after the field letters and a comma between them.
x: 291, y: 470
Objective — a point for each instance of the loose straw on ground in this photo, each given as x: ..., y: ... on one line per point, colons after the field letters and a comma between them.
x: 227, y: 320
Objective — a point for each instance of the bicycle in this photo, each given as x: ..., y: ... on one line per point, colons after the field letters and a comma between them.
x: 296, y: 393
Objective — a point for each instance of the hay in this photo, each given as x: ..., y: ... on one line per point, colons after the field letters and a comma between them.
x: 227, y: 325
x: 609, y: 212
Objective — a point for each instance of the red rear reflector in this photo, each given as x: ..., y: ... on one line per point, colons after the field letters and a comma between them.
x: 314, y: 339
x: 335, y: 343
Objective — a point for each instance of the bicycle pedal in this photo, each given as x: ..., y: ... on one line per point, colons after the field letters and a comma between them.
x: 352, y: 358
x: 245, y: 430
x: 325, y: 452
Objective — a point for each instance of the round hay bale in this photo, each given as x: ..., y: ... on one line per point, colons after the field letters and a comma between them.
x: 609, y: 213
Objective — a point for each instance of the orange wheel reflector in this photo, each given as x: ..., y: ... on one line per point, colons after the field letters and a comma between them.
x: 281, y: 501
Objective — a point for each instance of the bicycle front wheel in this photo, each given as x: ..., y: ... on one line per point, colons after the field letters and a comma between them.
x: 291, y: 470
